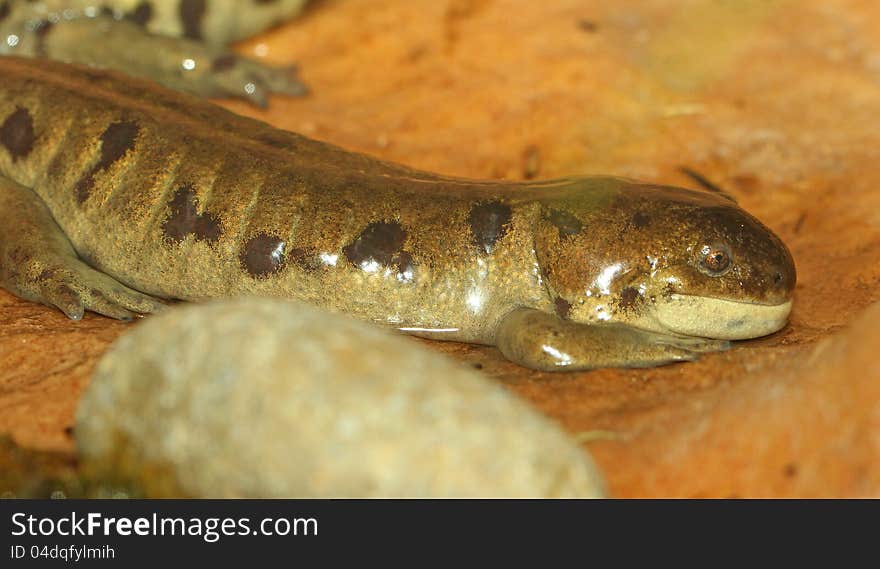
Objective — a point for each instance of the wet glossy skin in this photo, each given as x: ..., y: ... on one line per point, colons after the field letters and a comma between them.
x: 177, y: 198
x: 179, y: 43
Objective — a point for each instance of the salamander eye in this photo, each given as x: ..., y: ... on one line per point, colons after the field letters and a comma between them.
x: 715, y: 260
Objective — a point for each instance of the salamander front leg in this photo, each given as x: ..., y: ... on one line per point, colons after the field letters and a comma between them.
x: 38, y: 263
x: 543, y: 341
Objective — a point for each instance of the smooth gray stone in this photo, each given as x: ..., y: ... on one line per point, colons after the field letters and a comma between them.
x: 267, y: 398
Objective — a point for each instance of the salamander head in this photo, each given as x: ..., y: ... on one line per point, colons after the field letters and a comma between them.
x: 666, y: 259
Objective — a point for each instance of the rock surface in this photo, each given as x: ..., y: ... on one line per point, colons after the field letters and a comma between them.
x: 774, y: 101
x: 258, y: 398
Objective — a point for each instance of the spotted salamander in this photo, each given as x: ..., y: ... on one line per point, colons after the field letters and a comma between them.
x: 116, y: 193
x: 179, y: 43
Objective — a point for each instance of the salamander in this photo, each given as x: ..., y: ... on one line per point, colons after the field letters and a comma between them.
x: 179, y: 43
x: 116, y: 193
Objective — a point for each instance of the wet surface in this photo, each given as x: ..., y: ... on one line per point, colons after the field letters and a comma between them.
x: 772, y: 102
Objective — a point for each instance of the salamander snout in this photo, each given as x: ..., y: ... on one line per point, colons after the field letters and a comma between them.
x: 782, y: 276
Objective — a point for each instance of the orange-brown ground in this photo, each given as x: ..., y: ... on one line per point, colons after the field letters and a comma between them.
x: 776, y: 101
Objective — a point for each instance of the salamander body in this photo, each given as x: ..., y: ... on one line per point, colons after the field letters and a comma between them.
x: 116, y: 192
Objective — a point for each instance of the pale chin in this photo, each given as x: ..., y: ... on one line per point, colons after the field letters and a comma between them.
x: 720, y: 319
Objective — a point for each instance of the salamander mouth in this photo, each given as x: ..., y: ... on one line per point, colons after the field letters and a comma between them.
x: 719, y: 318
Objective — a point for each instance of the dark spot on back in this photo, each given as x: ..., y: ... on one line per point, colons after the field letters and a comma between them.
x: 566, y: 223
x: 380, y: 241
x: 477, y: 365
x: 116, y: 141
x: 629, y: 297
x: 185, y: 220
x: 142, y: 14
x: 563, y: 307
x: 488, y: 222
x: 68, y: 431
x: 207, y: 228
x: 790, y: 470
x: 263, y: 255
x: 17, y: 133
x: 191, y: 14
x: 640, y: 220
x: 224, y: 62
x: 4, y: 10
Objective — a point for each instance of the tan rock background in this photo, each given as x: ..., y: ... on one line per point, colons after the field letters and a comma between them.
x: 776, y: 101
